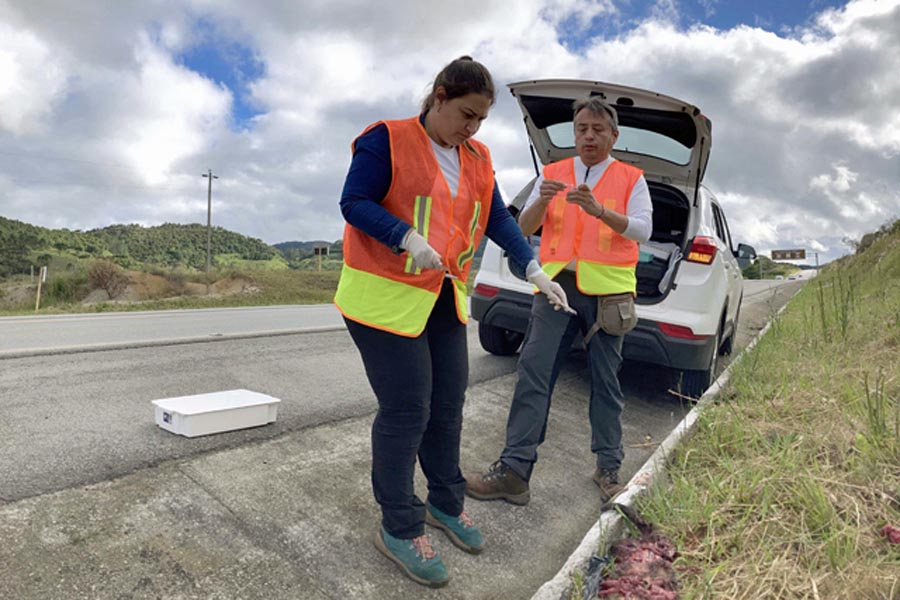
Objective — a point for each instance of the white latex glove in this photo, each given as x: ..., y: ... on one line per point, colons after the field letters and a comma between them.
x: 554, y: 292
x: 423, y: 255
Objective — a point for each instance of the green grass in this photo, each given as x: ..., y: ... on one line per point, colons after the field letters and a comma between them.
x: 785, y: 485
x: 272, y: 282
x: 267, y: 286
x: 234, y: 261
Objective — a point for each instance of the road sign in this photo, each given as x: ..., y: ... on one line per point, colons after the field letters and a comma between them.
x: 788, y: 254
x: 320, y: 251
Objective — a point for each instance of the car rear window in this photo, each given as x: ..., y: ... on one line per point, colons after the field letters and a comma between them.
x: 638, y: 141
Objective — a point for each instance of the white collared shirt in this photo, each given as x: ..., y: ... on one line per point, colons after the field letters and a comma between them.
x: 640, y: 207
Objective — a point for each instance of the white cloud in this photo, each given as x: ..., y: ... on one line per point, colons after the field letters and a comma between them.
x: 32, y: 82
x: 832, y: 184
x: 166, y: 113
x: 107, y: 126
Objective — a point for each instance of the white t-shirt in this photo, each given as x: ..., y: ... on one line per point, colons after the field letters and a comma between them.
x: 640, y: 207
x: 448, y: 161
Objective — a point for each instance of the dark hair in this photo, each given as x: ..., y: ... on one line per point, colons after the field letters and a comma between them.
x: 462, y: 76
x: 599, y: 107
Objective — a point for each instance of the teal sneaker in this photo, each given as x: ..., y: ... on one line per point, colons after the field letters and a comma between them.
x: 415, y: 557
x: 461, y: 530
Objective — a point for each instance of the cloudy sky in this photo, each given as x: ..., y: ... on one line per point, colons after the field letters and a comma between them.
x: 110, y: 111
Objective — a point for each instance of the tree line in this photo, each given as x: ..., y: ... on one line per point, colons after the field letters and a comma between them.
x: 134, y: 246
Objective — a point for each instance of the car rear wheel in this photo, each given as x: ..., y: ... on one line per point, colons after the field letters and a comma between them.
x: 499, y: 341
x: 728, y: 345
x: 695, y: 382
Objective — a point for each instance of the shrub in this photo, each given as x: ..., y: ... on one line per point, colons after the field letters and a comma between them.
x: 65, y: 289
x: 107, y: 275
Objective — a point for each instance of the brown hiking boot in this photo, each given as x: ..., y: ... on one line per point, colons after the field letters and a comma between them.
x: 498, y: 483
x: 608, y: 482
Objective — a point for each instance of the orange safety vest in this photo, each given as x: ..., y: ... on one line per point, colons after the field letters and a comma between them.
x: 382, y: 289
x: 604, y: 260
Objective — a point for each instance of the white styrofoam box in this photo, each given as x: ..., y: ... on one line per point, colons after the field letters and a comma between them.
x: 658, y: 249
x: 203, y: 414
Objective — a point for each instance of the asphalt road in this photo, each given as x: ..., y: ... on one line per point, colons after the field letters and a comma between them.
x: 68, y: 419
x: 279, y: 511
x: 41, y: 334
x: 76, y: 418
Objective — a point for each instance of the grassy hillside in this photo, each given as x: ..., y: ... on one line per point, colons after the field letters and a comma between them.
x: 179, y: 245
x: 130, y: 267
x: 790, y: 484
x: 301, y: 255
x: 130, y: 246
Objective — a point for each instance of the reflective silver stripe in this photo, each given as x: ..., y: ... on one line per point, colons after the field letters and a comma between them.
x: 469, y: 252
x: 421, y: 217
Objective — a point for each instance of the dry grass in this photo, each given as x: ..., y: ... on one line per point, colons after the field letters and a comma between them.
x: 172, y: 289
x: 784, y: 488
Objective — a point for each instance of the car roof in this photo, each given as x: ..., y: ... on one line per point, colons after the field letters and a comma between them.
x: 666, y: 137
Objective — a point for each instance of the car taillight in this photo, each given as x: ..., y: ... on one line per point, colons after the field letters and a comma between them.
x: 703, y: 250
x: 680, y: 331
x: 487, y: 291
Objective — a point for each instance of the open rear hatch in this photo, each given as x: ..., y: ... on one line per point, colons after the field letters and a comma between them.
x: 665, y: 137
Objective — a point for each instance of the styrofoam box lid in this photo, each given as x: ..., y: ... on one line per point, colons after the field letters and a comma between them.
x: 215, y: 401
x: 658, y: 249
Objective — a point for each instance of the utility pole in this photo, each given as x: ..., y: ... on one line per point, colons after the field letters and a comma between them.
x: 210, y: 176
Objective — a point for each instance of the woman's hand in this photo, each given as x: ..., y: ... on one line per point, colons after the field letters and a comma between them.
x: 423, y: 255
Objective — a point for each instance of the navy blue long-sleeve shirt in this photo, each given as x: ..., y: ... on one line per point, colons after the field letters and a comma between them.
x: 369, y: 180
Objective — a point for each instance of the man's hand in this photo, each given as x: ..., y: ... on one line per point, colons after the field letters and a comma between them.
x: 550, y: 188
x: 584, y: 197
x: 423, y: 255
x: 554, y: 292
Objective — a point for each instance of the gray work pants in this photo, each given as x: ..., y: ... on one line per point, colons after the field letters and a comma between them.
x: 548, y: 341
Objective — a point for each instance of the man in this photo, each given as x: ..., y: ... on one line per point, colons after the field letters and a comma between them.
x: 594, y: 211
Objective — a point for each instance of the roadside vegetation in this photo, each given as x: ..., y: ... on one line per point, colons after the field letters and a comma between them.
x: 765, y: 268
x: 129, y: 267
x: 96, y: 290
x: 790, y: 484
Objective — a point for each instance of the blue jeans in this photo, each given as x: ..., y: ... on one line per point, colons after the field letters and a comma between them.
x: 547, y: 342
x: 420, y: 384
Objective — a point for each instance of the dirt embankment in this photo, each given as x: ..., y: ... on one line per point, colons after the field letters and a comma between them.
x: 145, y: 286
x: 141, y: 287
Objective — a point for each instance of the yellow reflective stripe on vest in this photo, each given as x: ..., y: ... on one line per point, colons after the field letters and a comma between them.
x: 598, y: 279
x: 462, y: 300
x: 383, y: 303
x: 467, y: 254
x: 552, y: 269
x: 604, y: 239
x: 421, y: 219
x: 558, y: 208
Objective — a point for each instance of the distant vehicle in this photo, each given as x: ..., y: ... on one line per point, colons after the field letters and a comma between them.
x: 793, y: 276
x: 689, y: 287
x: 779, y: 277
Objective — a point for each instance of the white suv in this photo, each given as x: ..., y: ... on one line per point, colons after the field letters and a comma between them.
x: 689, y: 286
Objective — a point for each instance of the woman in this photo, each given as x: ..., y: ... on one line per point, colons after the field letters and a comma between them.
x: 419, y: 195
